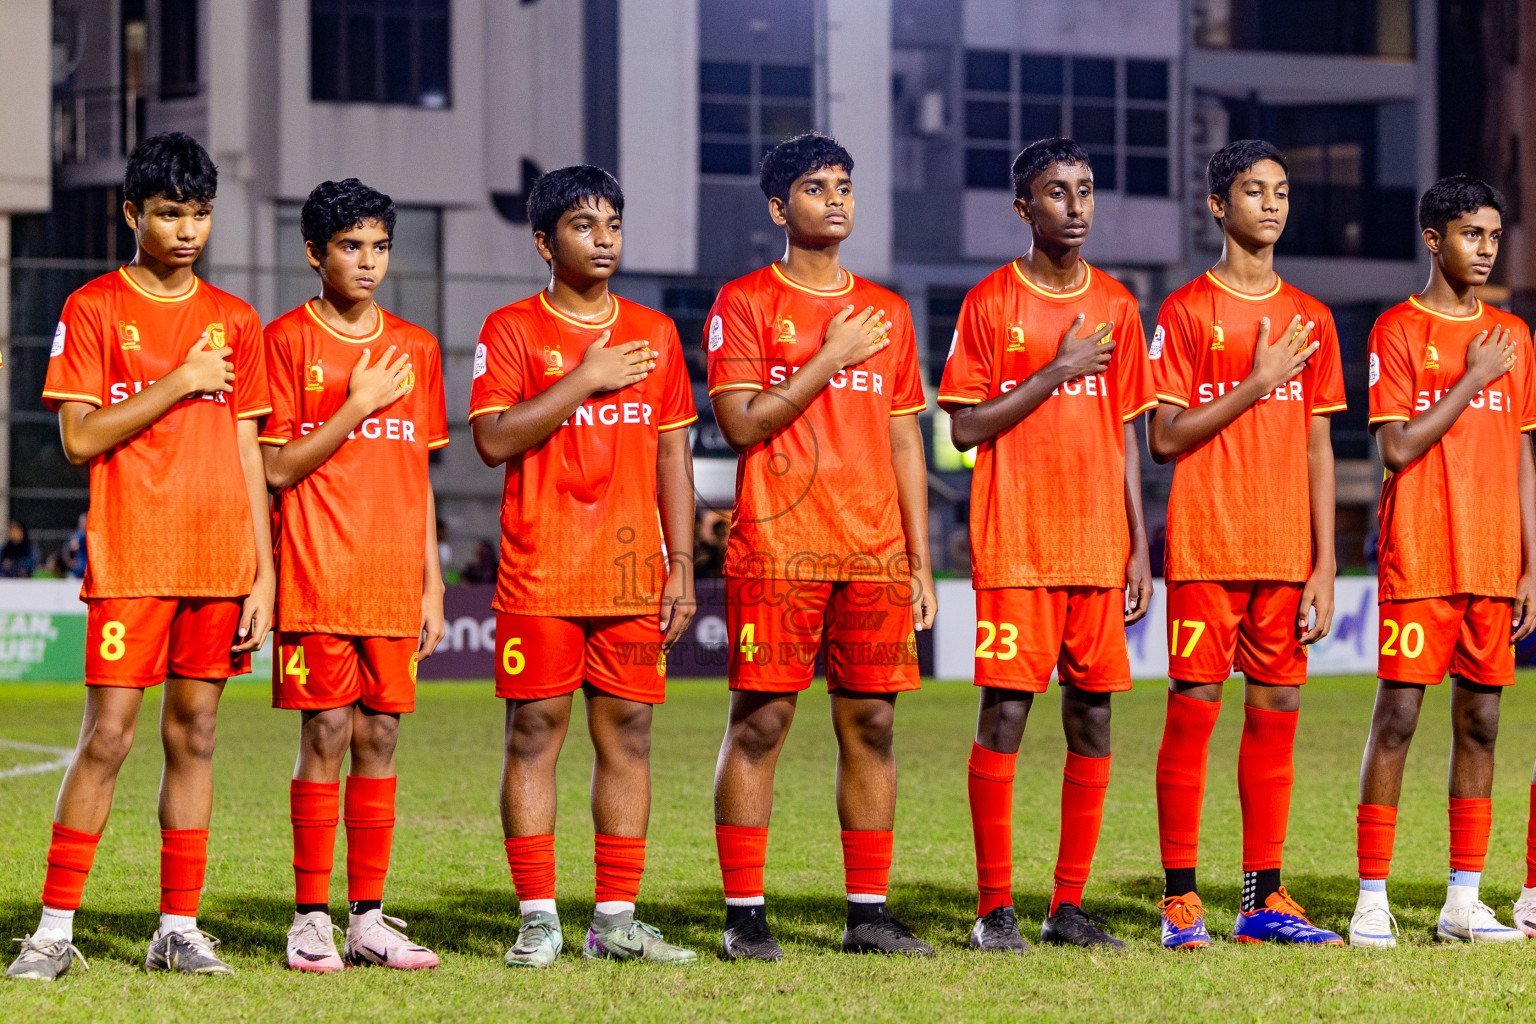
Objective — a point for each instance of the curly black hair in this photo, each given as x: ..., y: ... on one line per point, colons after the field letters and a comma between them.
x: 171, y: 165
x: 1454, y: 196
x: 1233, y: 159
x: 558, y: 192
x: 1037, y: 156
x: 337, y: 206
x: 796, y: 157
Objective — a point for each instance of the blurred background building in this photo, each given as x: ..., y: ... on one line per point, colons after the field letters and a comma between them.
x: 455, y: 106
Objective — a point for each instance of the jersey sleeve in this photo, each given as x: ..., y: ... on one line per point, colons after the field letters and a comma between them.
x: 907, y: 389
x: 498, y: 382
x: 1391, y: 374
x: 1133, y: 370
x: 437, y: 408
x: 282, y: 425
x: 252, y: 397
x: 1172, y: 355
x: 1328, y: 381
x: 1527, y: 371
x: 968, y: 370
x: 733, y: 341
x: 77, y: 361
x: 677, y: 402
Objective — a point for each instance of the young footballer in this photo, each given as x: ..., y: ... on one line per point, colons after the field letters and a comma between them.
x: 814, y: 379
x: 583, y: 395
x: 1048, y: 372
x: 158, y: 380
x: 1247, y: 373
x: 357, y: 403
x: 1452, y: 393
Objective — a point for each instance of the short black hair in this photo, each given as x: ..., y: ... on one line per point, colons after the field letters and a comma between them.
x: 1037, y: 156
x: 337, y: 206
x: 172, y: 165
x: 796, y: 157
x: 1233, y: 159
x: 558, y: 192
x: 1452, y: 197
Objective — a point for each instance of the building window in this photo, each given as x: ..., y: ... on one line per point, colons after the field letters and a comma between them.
x: 1117, y: 109
x: 379, y: 51
x: 1372, y: 28
x: 746, y: 108
x: 179, y: 75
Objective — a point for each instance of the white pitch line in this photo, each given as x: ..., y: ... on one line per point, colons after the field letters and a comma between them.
x: 61, y: 758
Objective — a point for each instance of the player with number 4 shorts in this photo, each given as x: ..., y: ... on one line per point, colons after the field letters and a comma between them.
x: 1453, y: 393
x: 1046, y: 377
x: 158, y: 381
x: 1247, y: 375
x: 584, y: 397
x: 357, y: 397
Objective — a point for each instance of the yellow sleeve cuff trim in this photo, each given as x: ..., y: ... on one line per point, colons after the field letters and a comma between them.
x: 441, y: 442
x: 1173, y: 400
x: 1389, y: 418
x: 909, y: 410
x: 960, y: 399
x: 71, y: 396
x: 1137, y: 412
x: 487, y: 409
x: 251, y: 414
x: 1322, y: 409
x: 680, y: 423
x: 277, y: 442
x: 735, y: 386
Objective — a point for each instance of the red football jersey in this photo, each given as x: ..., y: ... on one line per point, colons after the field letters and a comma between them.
x: 1240, y: 506
x: 817, y: 500
x: 580, y: 526
x: 1060, y: 472
x: 170, y: 515
x: 1450, y: 522
x: 351, y: 536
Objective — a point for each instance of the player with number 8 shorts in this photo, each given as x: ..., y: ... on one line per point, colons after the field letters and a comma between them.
x: 584, y: 397
x: 357, y: 396
x: 1453, y: 393
x: 158, y: 381
x: 1046, y: 377
x: 1247, y: 374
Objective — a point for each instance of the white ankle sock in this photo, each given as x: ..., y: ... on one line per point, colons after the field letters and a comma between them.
x: 57, y: 922
x: 176, y: 923
x: 526, y: 907
x: 610, y: 907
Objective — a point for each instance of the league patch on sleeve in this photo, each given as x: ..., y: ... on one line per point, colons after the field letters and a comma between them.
x: 1158, y: 336
x: 1375, y: 368
x: 58, y: 341
x: 954, y: 343
x: 480, y: 356
x: 716, y: 333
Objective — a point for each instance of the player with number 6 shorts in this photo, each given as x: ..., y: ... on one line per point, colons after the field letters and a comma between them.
x: 1046, y: 377
x: 357, y: 406
x: 1247, y: 374
x: 158, y: 381
x: 1453, y: 395
x: 584, y: 397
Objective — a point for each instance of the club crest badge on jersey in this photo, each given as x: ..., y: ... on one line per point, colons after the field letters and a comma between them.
x: 1015, y: 335
x: 716, y: 333
x: 314, y: 377
x: 216, y: 339
x: 480, y: 359
x: 554, y: 363
x: 406, y: 386
x: 1431, y: 357
x: 128, y: 336
x: 784, y: 329
x: 1375, y: 369
x: 1158, y: 337
x: 411, y: 669
x: 58, y: 341
x: 1218, y: 338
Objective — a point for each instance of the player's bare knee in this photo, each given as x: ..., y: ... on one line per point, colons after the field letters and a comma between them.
x: 758, y: 736
x: 869, y: 726
x: 107, y: 744
x: 1478, y: 726
x: 190, y: 735
x: 325, y: 734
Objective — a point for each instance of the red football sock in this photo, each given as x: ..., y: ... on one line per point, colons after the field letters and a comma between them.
x: 1265, y: 775
x: 70, y: 856
x: 532, y: 860
x: 1375, y: 831
x: 620, y: 862
x: 743, y: 853
x: 314, y: 808
x: 1083, y: 784
x: 1181, y: 777
x: 990, y: 781
x: 867, y: 861
x: 1471, y: 820
x: 370, y: 813
x: 183, y: 862
x: 1530, y: 843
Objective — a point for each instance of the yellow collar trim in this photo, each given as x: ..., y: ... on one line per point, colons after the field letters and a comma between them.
x: 1413, y: 300
x: 591, y: 325
x: 123, y: 272
x: 352, y: 339
x: 842, y: 289
x: 1218, y: 282
x: 1074, y: 293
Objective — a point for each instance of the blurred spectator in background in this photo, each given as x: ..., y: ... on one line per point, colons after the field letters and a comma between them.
x: 482, y: 569
x: 19, y: 556
x: 444, y: 550
x: 72, y: 555
x: 711, y: 529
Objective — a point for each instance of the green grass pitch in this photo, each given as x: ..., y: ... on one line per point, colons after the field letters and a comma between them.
x: 449, y: 878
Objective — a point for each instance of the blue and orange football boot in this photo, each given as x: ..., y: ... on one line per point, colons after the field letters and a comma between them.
x: 1184, y: 922
x: 1281, y: 919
